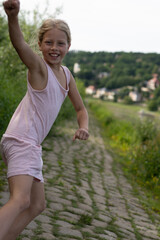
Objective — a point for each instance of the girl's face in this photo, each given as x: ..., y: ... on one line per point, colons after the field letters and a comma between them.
x: 54, y: 46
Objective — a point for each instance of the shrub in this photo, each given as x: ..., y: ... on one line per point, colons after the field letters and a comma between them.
x: 120, y: 133
x: 153, y: 105
x: 128, y: 100
x: 145, y: 130
x: 146, y: 160
x: 138, y: 146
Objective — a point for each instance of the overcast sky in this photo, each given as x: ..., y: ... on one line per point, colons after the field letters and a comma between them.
x: 108, y: 25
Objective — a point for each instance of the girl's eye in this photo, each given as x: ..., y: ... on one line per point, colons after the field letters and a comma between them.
x: 48, y: 42
x: 61, y: 43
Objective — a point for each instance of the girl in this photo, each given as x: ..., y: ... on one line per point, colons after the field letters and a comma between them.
x: 48, y: 84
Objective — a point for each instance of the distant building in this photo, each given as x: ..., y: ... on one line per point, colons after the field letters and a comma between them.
x: 144, y: 89
x: 100, y: 93
x: 110, y: 95
x: 76, y: 68
x: 103, y: 75
x: 153, y: 83
x: 135, y: 96
x: 90, y: 90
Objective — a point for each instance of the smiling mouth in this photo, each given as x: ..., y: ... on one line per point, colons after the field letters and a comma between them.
x: 54, y: 55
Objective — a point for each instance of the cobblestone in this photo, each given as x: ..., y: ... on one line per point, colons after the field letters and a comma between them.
x: 86, y: 200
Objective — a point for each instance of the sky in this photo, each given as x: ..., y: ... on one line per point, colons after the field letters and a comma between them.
x: 107, y: 25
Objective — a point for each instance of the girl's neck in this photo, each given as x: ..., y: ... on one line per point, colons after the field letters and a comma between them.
x: 55, y: 67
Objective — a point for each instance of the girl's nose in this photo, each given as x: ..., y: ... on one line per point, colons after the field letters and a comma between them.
x: 54, y: 46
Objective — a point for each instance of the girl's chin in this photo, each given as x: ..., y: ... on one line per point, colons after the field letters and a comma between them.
x: 51, y: 63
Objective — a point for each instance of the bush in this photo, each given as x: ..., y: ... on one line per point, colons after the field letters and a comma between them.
x: 146, y: 155
x: 120, y: 133
x: 137, y: 147
x: 146, y: 161
x: 145, y: 130
x: 128, y: 100
x: 153, y: 105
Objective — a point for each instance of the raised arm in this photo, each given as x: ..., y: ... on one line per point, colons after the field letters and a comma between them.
x: 32, y: 61
x: 12, y: 8
x: 82, y: 115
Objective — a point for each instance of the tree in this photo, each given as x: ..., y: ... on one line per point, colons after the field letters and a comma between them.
x: 153, y: 105
x: 157, y: 93
x: 128, y: 100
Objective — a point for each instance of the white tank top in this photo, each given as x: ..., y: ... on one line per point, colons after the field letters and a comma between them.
x: 38, y: 110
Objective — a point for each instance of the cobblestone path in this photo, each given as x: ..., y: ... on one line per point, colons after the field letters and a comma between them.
x: 86, y: 199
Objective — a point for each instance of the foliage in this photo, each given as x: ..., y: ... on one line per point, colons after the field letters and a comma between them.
x: 123, y: 93
x: 146, y: 130
x: 137, y: 145
x: 12, y: 75
x: 114, y: 129
x: 81, y: 87
x: 121, y: 68
x: 153, y: 105
x: 128, y: 100
x: 157, y: 93
x: 146, y: 160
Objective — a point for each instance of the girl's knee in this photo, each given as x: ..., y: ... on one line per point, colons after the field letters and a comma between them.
x: 38, y: 207
x: 41, y: 206
x: 22, y: 202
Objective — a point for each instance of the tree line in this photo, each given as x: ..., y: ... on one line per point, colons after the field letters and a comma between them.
x: 121, y: 68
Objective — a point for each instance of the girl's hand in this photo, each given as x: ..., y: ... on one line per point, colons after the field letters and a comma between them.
x: 11, y: 7
x: 81, y: 134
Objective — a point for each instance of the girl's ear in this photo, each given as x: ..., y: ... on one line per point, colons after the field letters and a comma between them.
x: 69, y: 47
x: 39, y: 46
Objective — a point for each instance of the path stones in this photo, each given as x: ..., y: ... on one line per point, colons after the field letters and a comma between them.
x: 86, y: 200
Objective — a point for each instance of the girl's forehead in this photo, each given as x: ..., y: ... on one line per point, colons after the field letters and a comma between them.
x: 55, y: 33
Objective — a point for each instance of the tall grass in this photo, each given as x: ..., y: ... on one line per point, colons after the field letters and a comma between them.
x: 137, y: 143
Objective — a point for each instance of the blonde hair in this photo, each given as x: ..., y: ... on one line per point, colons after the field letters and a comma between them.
x: 54, y: 23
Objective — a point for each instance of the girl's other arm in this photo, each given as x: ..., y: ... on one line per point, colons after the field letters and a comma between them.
x: 82, y: 115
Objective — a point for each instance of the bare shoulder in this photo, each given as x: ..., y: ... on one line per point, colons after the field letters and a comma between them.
x: 72, y: 83
x: 38, y: 76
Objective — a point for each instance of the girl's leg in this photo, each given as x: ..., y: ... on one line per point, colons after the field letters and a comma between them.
x: 20, y: 189
x: 37, y: 205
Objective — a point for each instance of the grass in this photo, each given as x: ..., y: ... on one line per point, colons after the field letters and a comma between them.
x: 125, y: 134
x: 85, y: 219
x: 3, y: 179
x: 76, y: 165
x: 122, y: 111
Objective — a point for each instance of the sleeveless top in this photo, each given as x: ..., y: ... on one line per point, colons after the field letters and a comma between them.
x: 38, y: 110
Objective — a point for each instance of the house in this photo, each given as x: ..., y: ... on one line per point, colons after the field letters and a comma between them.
x: 144, y: 89
x: 103, y: 75
x: 153, y: 83
x: 110, y: 95
x: 100, y: 93
x: 76, y: 68
x: 135, y: 96
x: 90, y: 90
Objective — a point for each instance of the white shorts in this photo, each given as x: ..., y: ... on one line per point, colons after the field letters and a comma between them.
x: 22, y: 158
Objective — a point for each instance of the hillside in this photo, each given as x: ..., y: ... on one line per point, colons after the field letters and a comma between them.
x: 114, y: 70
